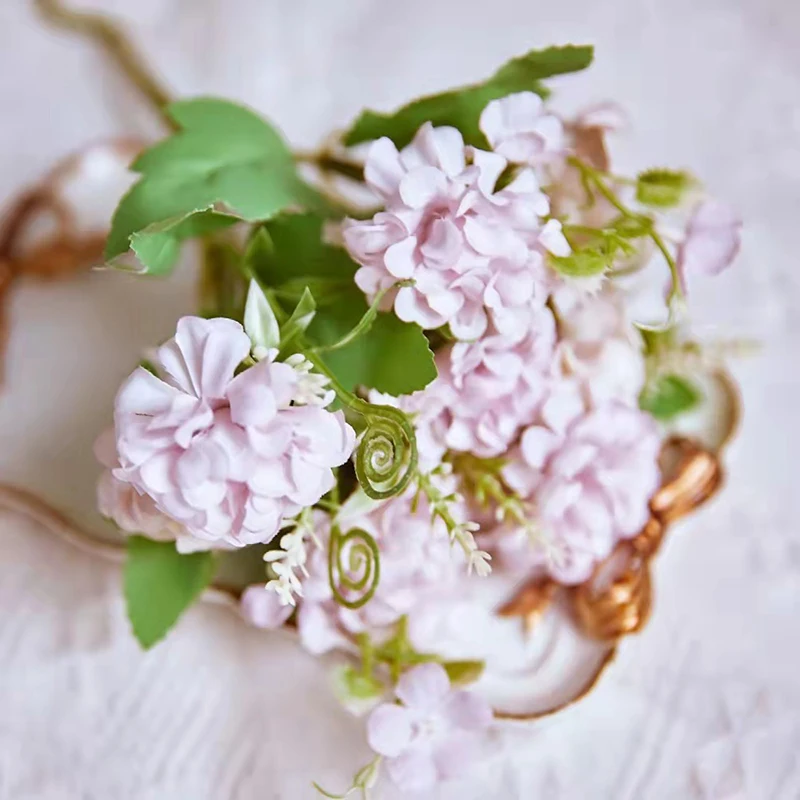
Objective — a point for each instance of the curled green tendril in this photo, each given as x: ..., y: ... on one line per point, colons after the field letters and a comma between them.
x: 386, y: 459
x: 387, y: 456
x: 354, y: 566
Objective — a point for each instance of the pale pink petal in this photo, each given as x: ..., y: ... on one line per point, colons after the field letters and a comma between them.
x: 399, y: 258
x: 552, y: 239
x: 383, y: 170
x: 203, y: 355
x: 468, y: 711
x: 410, y: 306
x: 262, y: 607
x: 413, y: 770
x: 441, y: 147
x: 389, y: 729
x: 318, y: 633
x: 252, y: 401
x: 421, y: 186
x: 145, y: 394
x: 538, y: 443
x: 423, y: 687
x: 713, y: 238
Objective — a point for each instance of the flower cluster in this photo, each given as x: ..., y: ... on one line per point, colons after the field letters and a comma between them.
x: 533, y: 448
x: 590, y: 474
x: 228, y: 458
x: 472, y: 253
x: 417, y: 565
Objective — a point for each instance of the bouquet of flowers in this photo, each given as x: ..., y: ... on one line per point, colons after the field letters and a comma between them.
x: 452, y: 342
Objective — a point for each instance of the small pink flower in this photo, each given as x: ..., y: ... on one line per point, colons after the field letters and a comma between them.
x: 599, y: 347
x: 590, y: 476
x: 713, y: 238
x: 519, y: 128
x: 485, y: 390
x: 262, y: 607
x: 433, y: 734
x: 468, y: 250
x: 228, y: 458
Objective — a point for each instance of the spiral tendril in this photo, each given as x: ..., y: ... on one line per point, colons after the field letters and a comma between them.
x: 354, y: 566
x: 387, y: 456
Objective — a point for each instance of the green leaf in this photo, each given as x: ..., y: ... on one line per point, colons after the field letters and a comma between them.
x: 669, y: 396
x: 462, y: 107
x: 353, y: 684
x: 463, y: 672
x: 291, y: 256
x: 160, y: 584
x: 662, y: 188
x: 296, y: 249
x: 158, y: 245
x: 225, y: 157
x: 393, y: 356
x: 301, y: 318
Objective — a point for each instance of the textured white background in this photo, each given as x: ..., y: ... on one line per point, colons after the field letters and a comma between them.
x: 705, y: 704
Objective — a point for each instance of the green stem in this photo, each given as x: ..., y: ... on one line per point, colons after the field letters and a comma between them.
x: 364, y: 324
x: 110, y: 37
x: 326, y: 162
x: 593, y: 177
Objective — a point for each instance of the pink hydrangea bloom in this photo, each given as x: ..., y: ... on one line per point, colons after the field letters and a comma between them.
x: 466, y: 247
x: 519, y: 128
x: 590, y: 476
x: 417, y: 562
x: 433, y: 734
x: 713, y: 238
x: 131, y: 511
x: 598, y: 346
x: 229, y: 458
x: 485, y: 391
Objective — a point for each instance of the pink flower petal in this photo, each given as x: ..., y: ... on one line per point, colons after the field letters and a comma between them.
x: 383, y: 170
x: 413, y: 771
x: 421, y: 186
x: 399, y: 258
x: 389, y: 729
x: 424, y: 687
x: 468, y: 711
x: 262, y: 607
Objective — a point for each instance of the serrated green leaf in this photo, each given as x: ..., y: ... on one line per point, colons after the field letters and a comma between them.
x: 662, y: 188
x: 669, y: 396
x: 158, y: 245
x: 463, y: 672
x: 392, y: 356
x: 225, y: 157
x: 297, y: 251
x: 160, y: 584
x: 462, y: 107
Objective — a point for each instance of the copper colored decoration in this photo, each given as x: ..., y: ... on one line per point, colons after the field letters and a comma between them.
x: 530, y: 602
x: 617, y: 599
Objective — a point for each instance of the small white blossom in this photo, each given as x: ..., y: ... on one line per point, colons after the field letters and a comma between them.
x: 290, y: 558
x: 312, y: 388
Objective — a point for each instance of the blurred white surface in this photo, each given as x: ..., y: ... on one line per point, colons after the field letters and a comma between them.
x: 705, y: 704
